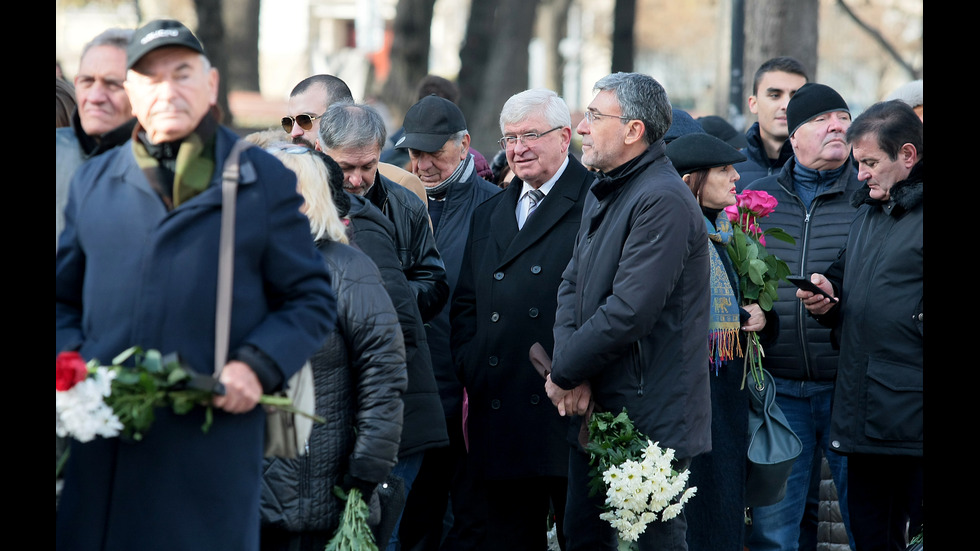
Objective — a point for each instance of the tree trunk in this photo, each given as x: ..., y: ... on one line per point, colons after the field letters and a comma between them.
x: 623, y: 48
x: 241, y: 24
x: 552, y: 28
x: 211, y: 32
x: 409, y: 54
x: 780, y: 28
x: 494, y: 65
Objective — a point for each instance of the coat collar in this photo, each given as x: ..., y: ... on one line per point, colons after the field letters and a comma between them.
x: 906, y: 194
x: 559, y: 201
x: 606, y: 184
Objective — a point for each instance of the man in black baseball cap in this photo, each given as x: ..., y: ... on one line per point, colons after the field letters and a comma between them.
x: 438, y: 146
x: 157, y: 34
x: 137, y: 261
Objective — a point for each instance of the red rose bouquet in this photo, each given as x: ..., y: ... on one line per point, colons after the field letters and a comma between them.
x: 758, y: 271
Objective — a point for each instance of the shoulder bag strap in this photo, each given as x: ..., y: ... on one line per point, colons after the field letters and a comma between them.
x: 226, y: 254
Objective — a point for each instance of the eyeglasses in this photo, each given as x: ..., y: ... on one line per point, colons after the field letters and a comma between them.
x: 305, y: 121
x: 591, y: 116
x: 526, y: 139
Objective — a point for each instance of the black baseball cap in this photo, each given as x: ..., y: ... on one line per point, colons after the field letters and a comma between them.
x: 430, y: 123
x: 157, y: 34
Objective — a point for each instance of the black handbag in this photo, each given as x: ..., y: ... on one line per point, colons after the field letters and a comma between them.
x: 773, y: 446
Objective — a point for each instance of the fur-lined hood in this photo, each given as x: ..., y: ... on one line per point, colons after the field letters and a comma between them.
x: 906, y: 194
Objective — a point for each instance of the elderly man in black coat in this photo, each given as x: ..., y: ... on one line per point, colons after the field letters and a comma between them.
x: 505, y: 300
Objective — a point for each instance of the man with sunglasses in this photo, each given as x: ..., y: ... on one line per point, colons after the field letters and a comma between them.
x: 632, y: 307
x: 309, y: 99
x: 512, y: 267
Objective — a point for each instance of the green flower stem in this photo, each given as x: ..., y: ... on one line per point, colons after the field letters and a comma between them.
x: 286, y: 404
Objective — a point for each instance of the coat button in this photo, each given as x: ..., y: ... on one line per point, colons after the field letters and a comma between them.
x: 498, y: 276
x: 920, y: 316
x: 535, y: 399
x: 493, y: 361
x: 533, y: 312
x: 535, y: 269
x: 835, y: 443
x: 495, y: 404
x: 494, y: 316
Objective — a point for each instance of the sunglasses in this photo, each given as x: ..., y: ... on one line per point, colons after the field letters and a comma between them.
x: 304, y: 121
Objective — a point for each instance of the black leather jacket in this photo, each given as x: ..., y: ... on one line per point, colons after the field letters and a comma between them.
x: 415, y: 243
x: 424, y: 425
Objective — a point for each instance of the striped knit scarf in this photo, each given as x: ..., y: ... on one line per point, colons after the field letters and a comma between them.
x: 724, y: 324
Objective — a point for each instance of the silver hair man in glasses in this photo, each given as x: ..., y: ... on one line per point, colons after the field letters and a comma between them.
x: 632, y: 311
x: 517, y: 439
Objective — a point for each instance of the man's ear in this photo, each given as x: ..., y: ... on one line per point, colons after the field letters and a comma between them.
x: 908, y: 155
x: 635, y: 130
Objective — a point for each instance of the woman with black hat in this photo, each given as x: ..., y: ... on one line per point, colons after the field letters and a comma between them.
x: 716, y: 518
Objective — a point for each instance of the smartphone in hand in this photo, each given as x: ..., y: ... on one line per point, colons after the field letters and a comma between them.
x: 807, y: 285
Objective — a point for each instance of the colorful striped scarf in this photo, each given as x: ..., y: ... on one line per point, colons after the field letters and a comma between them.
x: 723, y: 327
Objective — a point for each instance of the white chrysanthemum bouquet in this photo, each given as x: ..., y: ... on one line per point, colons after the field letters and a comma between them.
x: 635, y: 474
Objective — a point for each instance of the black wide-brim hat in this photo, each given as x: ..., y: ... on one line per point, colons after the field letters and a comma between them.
x: 158, y: 34
x: 692, y: 152
x: 430, y: 123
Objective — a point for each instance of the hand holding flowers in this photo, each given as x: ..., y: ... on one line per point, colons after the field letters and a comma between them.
x: 635, y: 474
x: 114, y: 400
x: 758, y: 271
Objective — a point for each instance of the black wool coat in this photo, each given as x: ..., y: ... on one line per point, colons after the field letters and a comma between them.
x: 505, y: 301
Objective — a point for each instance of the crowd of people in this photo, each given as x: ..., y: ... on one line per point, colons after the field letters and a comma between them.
x: 416, y: 277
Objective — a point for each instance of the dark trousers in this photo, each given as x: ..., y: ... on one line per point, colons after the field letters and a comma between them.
x: 442, y: 481
x: 585, y: 531
x: 518, y: 512
x: 884, y: 495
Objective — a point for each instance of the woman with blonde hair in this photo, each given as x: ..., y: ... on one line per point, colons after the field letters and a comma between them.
x: 359, y: 376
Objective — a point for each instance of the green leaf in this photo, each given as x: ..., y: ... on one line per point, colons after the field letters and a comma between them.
x: 757, y: 268
x: 122, y: 357
x: 780, y: 234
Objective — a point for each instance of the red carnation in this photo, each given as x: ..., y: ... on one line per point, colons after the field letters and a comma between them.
x: 70, y: 370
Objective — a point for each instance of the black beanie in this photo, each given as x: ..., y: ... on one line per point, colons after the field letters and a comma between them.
x: 811, y: 100
x: 693, y: 152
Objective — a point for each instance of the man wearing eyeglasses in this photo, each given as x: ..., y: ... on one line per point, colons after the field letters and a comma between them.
x: 438, y: 145
x: 505, y: 302
x: 309, y: 99
x: 632, y: 307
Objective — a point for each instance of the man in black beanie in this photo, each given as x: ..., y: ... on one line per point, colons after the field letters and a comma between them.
x: 813, y: 190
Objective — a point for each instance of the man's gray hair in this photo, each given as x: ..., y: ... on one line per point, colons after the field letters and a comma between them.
x: 115, y: 37
x: 347, y: 124
x: 641, y: 97
x: 532, y: 102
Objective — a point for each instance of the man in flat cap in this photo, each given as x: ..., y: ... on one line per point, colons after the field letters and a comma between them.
x: 137, y: 266
x: 438, y: 145
x: 813, y: 190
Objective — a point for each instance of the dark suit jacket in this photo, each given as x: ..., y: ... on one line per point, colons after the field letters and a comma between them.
x: 505, y: 301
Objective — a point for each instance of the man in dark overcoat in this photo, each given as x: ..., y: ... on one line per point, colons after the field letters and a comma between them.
x: 505, y: 301
x: 137, y: 265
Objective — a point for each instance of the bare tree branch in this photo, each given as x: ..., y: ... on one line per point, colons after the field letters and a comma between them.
x: 916, y: 74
